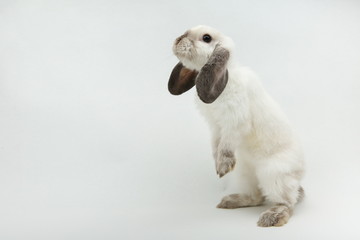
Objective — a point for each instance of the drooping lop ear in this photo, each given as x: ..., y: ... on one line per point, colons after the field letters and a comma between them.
x: 213, y: 76
x: 181, y: 79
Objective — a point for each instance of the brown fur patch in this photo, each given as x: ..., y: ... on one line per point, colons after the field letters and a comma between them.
x: 180, y: 38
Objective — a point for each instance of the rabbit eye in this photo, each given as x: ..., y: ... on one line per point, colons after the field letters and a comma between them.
x: 206, y: 38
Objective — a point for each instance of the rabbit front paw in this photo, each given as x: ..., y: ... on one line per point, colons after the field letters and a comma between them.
x: 225, y: 162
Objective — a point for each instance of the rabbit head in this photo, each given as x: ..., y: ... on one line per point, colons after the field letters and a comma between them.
x: 203, y: 53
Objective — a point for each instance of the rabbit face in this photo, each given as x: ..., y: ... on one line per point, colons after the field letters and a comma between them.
x: 203, y: 53
x: 196, y: 45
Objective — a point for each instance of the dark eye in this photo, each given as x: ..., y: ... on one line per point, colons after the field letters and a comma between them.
x: 206, y: 38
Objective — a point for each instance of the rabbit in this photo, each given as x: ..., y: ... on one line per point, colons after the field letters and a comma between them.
x: 247, y: 126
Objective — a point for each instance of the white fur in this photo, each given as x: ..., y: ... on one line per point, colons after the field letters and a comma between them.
x: 246, y: 120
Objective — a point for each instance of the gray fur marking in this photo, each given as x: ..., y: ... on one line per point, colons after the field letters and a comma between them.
x: 301, y: 195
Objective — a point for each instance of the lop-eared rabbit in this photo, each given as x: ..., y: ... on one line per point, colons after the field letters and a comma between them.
x: 248, y: 127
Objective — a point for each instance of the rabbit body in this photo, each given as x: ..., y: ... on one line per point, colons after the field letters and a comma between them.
x: 248, y: 128
x: 246, y: 121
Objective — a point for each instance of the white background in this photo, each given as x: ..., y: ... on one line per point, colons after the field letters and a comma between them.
x: 92, y: 146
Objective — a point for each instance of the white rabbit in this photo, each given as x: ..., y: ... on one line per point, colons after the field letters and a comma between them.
x: 248, y: 127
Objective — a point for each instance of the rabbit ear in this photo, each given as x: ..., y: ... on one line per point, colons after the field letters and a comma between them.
x: 181, y: 79
x: 213, y: 76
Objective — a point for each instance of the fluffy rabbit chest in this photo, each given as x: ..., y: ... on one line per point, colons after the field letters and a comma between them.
x: 230, y: 110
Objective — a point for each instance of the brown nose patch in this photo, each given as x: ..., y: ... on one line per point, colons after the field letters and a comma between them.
x: 180, y: 38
